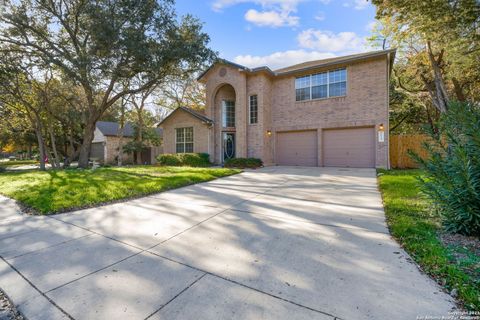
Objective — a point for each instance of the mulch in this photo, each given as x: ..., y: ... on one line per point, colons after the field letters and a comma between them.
x: 7, y: 309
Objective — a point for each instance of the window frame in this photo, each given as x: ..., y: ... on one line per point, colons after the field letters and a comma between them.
x: 250, y: 109
x: 184, y: 143
x: 309, y: 76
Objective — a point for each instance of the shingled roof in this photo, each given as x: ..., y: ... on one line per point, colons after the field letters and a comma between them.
x: 331, y: 61
x: 305, y: 65
x: 200, y: 116
x: 108, y: 128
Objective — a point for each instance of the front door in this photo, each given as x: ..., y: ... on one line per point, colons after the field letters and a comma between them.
x: 228, y: 145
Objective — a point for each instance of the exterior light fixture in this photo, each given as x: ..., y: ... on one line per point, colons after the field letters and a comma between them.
x: 269, y: 133
x: 381, y: 133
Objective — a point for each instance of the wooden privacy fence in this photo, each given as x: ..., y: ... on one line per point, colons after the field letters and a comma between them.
x: 399, y: 146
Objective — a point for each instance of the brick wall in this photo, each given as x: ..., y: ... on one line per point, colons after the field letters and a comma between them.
x: 222, y: 75
x: 366, y: 104
x: 182, y: 119
x: 111, y: 150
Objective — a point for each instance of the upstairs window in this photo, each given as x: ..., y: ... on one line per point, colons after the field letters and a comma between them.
x: 302, y: 88
x: 228, y: 114
x: 184, y: 140
x: 253, y: 114
x: 321, y: 85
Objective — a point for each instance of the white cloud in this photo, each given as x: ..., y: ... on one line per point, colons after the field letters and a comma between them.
x: 288, y: 5
x: 282, y: 59
x: 330, y: 42
x: 275, y: 13
x: 320, y: 16
x: 271, y: 18
x: 360, y: 4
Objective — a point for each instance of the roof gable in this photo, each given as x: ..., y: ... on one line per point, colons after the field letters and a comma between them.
x: 195, y: 114
x: 236, y: 66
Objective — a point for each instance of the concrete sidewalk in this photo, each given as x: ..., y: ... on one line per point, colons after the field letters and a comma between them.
x: 275, y: 243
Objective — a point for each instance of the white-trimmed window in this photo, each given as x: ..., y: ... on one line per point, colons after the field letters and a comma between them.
x: 321, y: 85
x: 184, y: 140
x: 253, y: 110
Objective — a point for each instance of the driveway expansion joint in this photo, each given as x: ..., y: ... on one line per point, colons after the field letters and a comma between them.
x: 49, y: 247
x: 177, y: 295
x: 311, y: 222
x: 244, y: 285
x: 37, y: 289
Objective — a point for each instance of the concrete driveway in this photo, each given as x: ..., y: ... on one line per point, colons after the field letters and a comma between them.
x: 275, y: 243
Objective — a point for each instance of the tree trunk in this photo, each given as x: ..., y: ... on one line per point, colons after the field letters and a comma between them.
x: 37, y: 126
x: 72, y: 154
x: 121, y: 132
x: 458, y: 90
x: 140, y: 136
x: 56, y: 159
x: 86, y: 144
x: 440, y: 90
x: 41, y: 147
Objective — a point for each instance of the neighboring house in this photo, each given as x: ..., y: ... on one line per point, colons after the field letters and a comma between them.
x: 331, y: 112
x: 106, y: 141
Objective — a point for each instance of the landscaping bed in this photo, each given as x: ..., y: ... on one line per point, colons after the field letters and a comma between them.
x: 17, y: 163
x: 7, y: 309
x: 452, y: 260
x: 53, y: 191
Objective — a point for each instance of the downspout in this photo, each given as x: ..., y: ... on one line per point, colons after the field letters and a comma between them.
x: 387, y: 131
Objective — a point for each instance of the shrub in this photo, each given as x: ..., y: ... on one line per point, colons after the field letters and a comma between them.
x: 169, y: 160
x: 184, y: 159
x: 2, y: 169
x: 243, y: 163
x: 452, y: 178
x: 196, y: 159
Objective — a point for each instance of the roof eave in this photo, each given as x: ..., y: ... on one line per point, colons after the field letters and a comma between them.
x: 203, y: 119
x: 339, y: 62
x: 236, y: 65
x: 221, y: 61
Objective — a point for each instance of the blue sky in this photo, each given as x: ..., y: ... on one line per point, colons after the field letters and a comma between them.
x: 279, y: 33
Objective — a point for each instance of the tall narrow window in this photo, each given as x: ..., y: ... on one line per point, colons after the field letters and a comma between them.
x: 302, y: 88
x: 253, y: 109
x: 321, y: 85
x: 337, y: 82
x: 184, y: 140
x: 228, y: 113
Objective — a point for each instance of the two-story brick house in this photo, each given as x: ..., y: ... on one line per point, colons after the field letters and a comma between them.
x: 331, y: 112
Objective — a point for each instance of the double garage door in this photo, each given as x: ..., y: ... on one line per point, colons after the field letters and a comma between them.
x: 353, y: 147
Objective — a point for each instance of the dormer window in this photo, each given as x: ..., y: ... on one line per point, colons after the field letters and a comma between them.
x: 321, y: 85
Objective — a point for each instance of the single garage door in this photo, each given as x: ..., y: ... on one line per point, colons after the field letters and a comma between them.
x: 297, y: 148
x: 349, y: 148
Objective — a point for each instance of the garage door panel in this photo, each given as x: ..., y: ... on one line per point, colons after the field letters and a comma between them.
x: 353, y: 147
x: 297, y: 148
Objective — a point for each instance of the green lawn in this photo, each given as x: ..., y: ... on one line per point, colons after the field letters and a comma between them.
x: 55, y: 191
x: 418, y: 229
